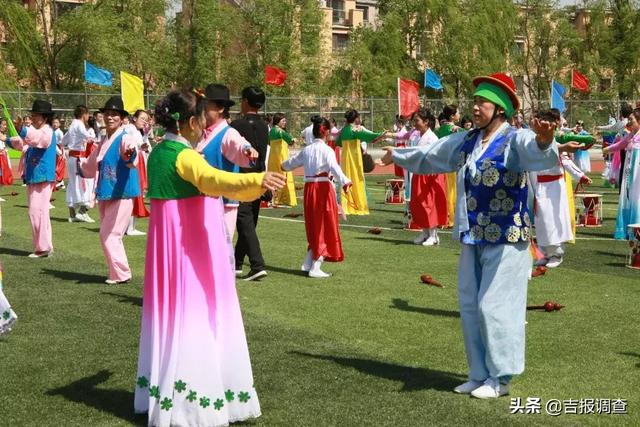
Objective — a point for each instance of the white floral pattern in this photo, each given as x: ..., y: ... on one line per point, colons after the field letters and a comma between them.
x: 476, y: 233
x: 523, y: 180
x: 510, y: 178
x: 526, y: 234
x: 476, y: 179
x: 483, y: 219
x: 495, y: 205
x: 461, y: 159
x: 486, y: 163
x: 513, y: 234
x: 490, y: 177
x: 501, y: 194
x: 492, y: 233
x: 507, y: 204
x: 472, y: 204
x: 527, y: 220
x: 517, y: 220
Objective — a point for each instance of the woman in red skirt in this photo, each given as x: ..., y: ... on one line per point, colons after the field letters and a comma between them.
x: 428, y: 203
x: 320, y: 206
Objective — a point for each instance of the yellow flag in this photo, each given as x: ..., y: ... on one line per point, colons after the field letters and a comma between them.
x: 132, y: 92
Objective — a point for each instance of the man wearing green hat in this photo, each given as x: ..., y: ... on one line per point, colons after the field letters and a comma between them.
x: 492, y: 224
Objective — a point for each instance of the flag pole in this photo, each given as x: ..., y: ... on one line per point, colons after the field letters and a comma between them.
x: 86, y: 95
x: 399, y: 106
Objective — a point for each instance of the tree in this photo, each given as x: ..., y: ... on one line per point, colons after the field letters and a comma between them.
x: 50, y: 49
x: 549, y: 42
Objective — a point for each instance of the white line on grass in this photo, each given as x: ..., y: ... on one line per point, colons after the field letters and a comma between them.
x: 396, y: 229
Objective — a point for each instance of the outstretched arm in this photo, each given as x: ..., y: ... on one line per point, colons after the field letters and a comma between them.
x: 211, y: 181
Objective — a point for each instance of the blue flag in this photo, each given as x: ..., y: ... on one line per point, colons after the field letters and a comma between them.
x: 557, y: 96
x: 432, y: 80
x: 96, y: 75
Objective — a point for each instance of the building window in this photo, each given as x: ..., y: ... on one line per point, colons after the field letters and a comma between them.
x: 518, y: 48
x: 365, y: 12
x: 62, y: 7
x: 340, y: 42
x: 339, y: 14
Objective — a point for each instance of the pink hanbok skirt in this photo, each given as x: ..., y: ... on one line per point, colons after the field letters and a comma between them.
x: 194, y: 367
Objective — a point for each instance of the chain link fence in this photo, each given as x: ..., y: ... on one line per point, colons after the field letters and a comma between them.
x: 377, y: 113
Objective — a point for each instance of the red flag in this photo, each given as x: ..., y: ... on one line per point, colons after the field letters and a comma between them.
x: 408, y: 99
x: 579, y: 81
x: 274, y: 75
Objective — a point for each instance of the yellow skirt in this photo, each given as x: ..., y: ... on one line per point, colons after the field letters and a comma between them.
x: 279, y: 152
x: 354, y: 203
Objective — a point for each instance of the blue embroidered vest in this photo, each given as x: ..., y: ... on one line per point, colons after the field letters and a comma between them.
x: 40, y: 163
x: 213, y: 155
x: 496, y: 197
x: 116, y: 180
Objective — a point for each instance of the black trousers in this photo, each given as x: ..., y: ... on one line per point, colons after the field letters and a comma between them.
x: 248, y: 243
x: 623, y: 155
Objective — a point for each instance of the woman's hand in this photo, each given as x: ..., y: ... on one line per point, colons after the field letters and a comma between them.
x: 605, y: 151
x: 273, y: 181
x: 386, y: 159
x: 569, y: 147
x: 544, y: 131
x: 347, y: 187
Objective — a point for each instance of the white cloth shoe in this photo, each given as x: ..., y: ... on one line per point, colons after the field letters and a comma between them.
x: 315, y: 271
x: 87, y: 218
x: 135, y: 232
x: 308, y: 262
x: 554, y: 261
x: 40, y: 254
x: 541, y: 262
x: 491, y: 389
x: 74, y: 219
x: 420, y: 239
x: 433, y: 239
x: 467, y: 387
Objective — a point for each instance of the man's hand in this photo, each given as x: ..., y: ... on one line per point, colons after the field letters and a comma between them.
x: 251, y: 153
x: 273, y: 181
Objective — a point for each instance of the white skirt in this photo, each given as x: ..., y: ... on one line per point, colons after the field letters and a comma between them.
x: 552, y: 217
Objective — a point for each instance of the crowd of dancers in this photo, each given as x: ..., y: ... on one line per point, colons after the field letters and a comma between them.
x: 206, y: 178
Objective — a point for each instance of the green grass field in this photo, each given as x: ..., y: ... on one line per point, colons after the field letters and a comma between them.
x: 369, y: 346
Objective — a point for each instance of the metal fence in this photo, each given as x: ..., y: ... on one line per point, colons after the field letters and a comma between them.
x: 377, y: 113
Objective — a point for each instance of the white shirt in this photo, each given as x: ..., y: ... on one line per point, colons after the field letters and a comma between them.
x: 76, y: 137
x: 427, y: 138
x: 307, y: 135
x: 59, y: 135
x: 317, y: 158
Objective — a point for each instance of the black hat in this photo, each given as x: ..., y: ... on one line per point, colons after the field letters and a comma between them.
x: 42, y: 107
x: 219, y: 94
x: 254, y: 95
x: 114, y: 103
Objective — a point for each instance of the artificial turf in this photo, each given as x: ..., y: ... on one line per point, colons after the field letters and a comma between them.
x: 369, y: 346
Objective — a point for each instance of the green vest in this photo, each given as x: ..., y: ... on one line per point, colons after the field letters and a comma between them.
x: 444, y: 130
x: 164, y: 181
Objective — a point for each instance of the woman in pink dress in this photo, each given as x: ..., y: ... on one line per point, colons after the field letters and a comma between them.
x: 38, y: 143
x: 193, y: 366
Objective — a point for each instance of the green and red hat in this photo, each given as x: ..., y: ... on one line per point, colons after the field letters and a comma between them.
x: 500, y: 89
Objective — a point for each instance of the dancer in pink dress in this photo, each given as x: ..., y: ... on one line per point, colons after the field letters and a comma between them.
x: 193, y: 367
x: 38, y: 143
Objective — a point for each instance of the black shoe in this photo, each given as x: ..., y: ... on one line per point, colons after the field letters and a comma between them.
x: 255, y: 275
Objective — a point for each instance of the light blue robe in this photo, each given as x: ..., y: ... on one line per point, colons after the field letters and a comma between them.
x: 492, y: 278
